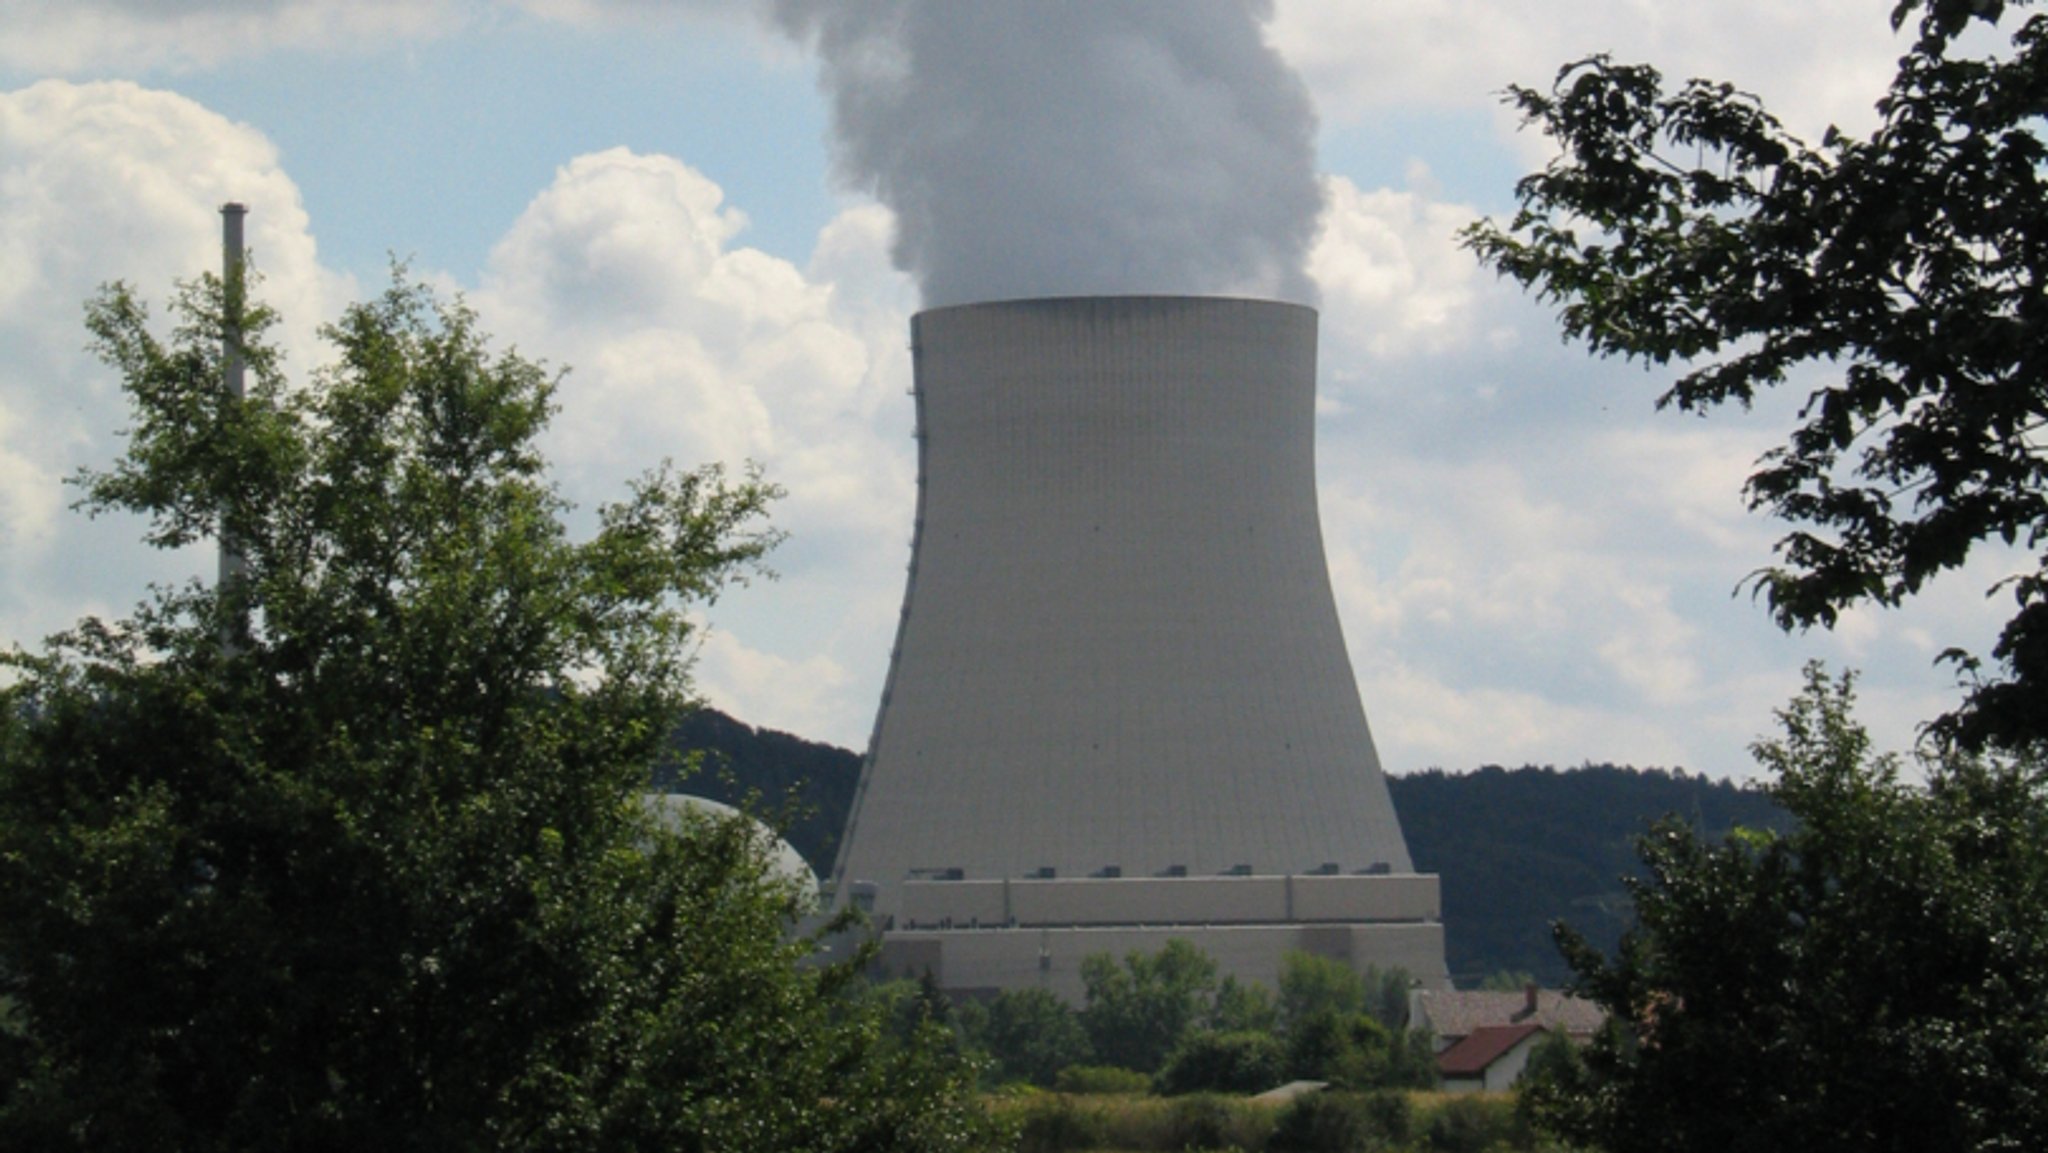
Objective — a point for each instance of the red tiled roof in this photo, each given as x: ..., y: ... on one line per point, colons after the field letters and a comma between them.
x: 1480, y: 1048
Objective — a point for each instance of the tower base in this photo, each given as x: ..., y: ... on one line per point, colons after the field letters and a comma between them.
x: 981, y: 937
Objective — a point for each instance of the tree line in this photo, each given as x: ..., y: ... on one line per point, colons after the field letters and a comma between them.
x: 1169, y: 1022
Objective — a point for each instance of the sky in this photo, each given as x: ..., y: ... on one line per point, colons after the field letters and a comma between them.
x: 719, y: 215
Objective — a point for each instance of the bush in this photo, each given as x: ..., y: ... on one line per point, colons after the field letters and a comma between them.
x: 1223, y: 1063
x: 1392, y: 1114
x: 1054, y: 1124
x: 1358, y: 1052
x: 1342, y: 1123
x: 1472, y: 1124
x: 1100, y: 1079
x: 1205, y: 1121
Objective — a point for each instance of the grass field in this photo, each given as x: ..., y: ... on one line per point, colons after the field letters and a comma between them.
x: 1382, y: 1122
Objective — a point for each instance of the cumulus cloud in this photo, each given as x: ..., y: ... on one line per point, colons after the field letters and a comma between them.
x: 97, y: 182
x: 1394, y: 281
x: 1531, y: 563
x: 90, y: 35
x: 603, y: 12
x: 686, y: 344
x: 1816, y: 63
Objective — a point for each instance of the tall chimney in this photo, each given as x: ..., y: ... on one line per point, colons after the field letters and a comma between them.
x: 234, y: 298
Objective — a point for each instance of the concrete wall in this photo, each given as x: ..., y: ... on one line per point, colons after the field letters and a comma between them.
x: 1033, y: 902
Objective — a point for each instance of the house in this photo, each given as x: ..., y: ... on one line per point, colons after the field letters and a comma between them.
x: 1489, y: 1058
x: 1484, y: 1038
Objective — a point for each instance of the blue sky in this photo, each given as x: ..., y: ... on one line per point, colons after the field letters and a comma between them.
x: 1532, y: 565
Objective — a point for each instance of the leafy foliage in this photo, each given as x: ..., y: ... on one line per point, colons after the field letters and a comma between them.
x: 1875, y: 979
x: 1243, y: 1007
x: 1356, y: 1051
x: 1343, y: 1123
x: 1101, y: 1079
x: 1032, y: 1035
x: 1210, y: 1062
x: 1138, y: 1010
x: 1313, y: 986
x: 377, y: 872
x: 1690, y: 227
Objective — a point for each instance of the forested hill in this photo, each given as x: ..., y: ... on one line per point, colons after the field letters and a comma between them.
x: 1517, y: 849
x: 803, y: 787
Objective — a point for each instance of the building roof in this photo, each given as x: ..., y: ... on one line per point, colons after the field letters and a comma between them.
x: 1482, y: 1047
x: 1454, y: 1013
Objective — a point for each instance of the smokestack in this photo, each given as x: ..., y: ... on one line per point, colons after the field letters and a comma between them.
x: 234, y: 298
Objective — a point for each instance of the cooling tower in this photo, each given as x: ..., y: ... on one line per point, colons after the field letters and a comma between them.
x: 1120, y: 708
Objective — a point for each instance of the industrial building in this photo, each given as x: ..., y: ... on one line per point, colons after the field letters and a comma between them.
x: 1120, y: 709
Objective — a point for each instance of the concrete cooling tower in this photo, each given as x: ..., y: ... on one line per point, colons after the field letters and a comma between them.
x: 1120, y: 709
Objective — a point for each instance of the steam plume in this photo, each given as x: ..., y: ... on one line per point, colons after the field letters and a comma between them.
x: 1070, y: 147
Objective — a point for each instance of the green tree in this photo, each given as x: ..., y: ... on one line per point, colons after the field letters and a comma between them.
x: 1904, y: 273
x: 1313, y: 986
x: 1136, y: 1012
x: 1875, y: 979
x: 1555, y: 1074
x: 1032, y: 1034
x: 1207, y: 1061
x: 1243, y: 1007
x: 378, y: 873
x: 1356, y: 1051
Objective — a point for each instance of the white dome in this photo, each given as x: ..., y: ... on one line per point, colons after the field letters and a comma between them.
x: 784, y: 862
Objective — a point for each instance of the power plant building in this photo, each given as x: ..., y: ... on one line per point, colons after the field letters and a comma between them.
x: 1120, y: 709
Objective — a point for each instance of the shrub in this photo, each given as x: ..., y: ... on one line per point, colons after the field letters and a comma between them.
x: 1392, y: 1115
x: 1205, y: 1121
x: 1472, y: 1124
x: 1223, y: 1063
x: 1055, y: 1124
x: 1100, y: 1079
x: 1342, y: 1123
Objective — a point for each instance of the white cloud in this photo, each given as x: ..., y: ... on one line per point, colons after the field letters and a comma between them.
x: 75, y: 36
x: 1531, y: 563
x: 1421, y: 721
x: 685, y: 344
x: 805, y: 694
x: 1816, y: 63
x: 1393, y: 279
x: 627, y: 12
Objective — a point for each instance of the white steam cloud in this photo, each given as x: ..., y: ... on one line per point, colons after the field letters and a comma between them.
x: 1073, y: 147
